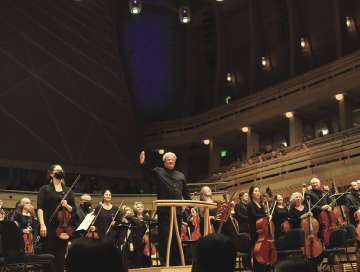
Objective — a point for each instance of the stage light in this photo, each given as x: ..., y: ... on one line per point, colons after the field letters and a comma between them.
x: 350, y: 24
x: 339, y: 97
x: 245, y: 129
x: 229, y: 77
x: 135, y: 6
x: 265, y: 63
x: 227, y: 99
x: 184, y: 15
x: 206, y: 141
x: 325, y: 131
x: 289, y: 114
x: 161, y: 151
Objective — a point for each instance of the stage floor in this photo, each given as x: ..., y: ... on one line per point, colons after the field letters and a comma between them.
x: 163, y: 269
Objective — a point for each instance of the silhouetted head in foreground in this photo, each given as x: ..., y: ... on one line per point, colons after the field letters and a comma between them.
x: 214, y: 252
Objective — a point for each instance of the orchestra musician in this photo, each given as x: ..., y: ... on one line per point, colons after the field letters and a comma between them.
x: 2, y: 211
x: 317, y: 196
x: 27, y: 222
x: 170, y: 184
x: 241, y: 214
x: 105, y: 220
x: 48, y: 199
x: 255, y: 211
x: 280, y: 216
x: 83, y: 209
x: 352, y: 200
x: 297, y: 210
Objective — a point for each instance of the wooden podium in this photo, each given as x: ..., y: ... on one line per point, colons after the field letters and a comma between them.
x: 172, y: 204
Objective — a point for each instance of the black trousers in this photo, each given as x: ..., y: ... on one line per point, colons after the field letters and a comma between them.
x: 57, y: 247
x: 164, y: 219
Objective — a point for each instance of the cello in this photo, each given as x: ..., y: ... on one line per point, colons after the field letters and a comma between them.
x: 265, y: 250
x: 64, y: 229
x: 313, y: 246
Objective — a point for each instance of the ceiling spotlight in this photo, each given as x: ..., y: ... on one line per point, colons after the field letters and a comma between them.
x: 245, y: 129
x: 135, y: 6
x: 350, y: 24
x: 219, y: 0
x: 289, y: 114
x: 161, y: 151
x: 184, y: 15
x: 339, y: 97
x: 206, y: 141
x: 265, y: 63
x: 229, y: 77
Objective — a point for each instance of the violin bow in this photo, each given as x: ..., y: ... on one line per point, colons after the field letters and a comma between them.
x: 64, y: 197
x: 112, y: 221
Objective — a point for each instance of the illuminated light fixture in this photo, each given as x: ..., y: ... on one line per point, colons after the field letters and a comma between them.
x: 350, y: 24
x: 289, y: 114
x: 219, y: 0
x: 161, y: 151
x: 184, y: 15
x: 135, y: 6
x: 325, y: 131
x: 339, y: 97
x: 223, y: 153
x: 245, y: 129
x: 265, y: 63
x: 227, y: 99
x: 229, y: 77
x: 284, y: 144
x: 304, y: 44
x: 206, y: 141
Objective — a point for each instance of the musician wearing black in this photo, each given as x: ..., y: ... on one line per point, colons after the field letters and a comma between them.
x: 280, y: 215
x: 352, y: 200
x: 49, y: 197
x: 241, y: 214
x: 297, y: 210
x: 255, y: 211
x: 170, y: 184
x: 83, y: 209
x: 319, y: 196
x: 140, y: 242
x: 105, y: 221
x: 25, y: 217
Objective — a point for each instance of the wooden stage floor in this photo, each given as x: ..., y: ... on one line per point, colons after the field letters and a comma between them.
x: 163, y: 269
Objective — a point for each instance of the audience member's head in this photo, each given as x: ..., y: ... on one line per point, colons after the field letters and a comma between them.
x: 293, y: 264
x: 214, y: 253
x: 92, y: 256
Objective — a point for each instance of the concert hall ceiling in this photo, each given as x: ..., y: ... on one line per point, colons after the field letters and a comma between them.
x: 62, y: 93
x: 179, y: 70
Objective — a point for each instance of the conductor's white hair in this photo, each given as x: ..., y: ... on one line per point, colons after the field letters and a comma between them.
x: 167, y: 154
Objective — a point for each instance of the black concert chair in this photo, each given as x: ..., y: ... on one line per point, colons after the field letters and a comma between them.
x: 243, y: 251
x: 291, y: 243
x: 340, y: 239
x: 12, y: 256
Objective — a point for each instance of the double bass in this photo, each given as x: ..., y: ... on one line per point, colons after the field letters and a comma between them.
x: 313, y: 246
x: 265, y: 250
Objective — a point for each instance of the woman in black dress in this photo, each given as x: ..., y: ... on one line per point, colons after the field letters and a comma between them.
x: 280, y: 215
x: 255, y: 211
x: 105, y: 218
x: 49, y: 197
x: 297, y: 210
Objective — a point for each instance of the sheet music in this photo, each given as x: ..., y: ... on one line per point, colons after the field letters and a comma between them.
x: 85, y: 224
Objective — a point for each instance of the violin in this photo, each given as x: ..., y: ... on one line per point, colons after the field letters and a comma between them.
x: 29, y: 241
x: 265, y: 250
x: 196, y: 234
x: 341, y: 212
x: 64, y: 229
x: 93, y: 234
x: 285, y: 226
x: 313, y: 246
